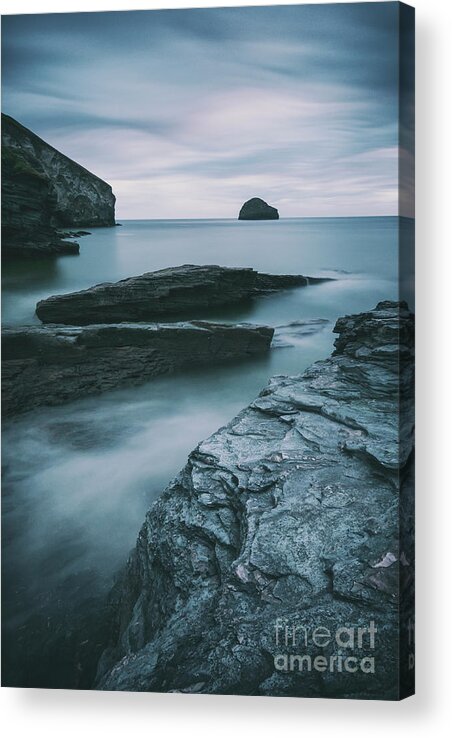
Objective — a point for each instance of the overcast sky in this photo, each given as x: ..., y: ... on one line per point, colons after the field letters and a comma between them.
x: 188, y: 113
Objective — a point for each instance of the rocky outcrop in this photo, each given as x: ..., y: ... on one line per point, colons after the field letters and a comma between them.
x: 185, y: 291
x: 43, y: 190
x: 52, y: 365
x: 288, y: 517
x: 257, y: 209
x: 28, y: 202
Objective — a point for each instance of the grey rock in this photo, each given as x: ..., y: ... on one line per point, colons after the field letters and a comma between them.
x: 257, y: 209
x: 289, y: 515
x: 183, y: 291
x: 43, y: 190
x: 52, y: 365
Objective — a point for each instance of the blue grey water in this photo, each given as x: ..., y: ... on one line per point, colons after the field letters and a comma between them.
x: 78, y: 479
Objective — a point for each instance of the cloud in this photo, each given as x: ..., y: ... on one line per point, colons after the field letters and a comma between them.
x: 188, y: 113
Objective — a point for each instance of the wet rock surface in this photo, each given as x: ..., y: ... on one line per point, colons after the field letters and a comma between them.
x: 51, y: 365
x: 177, y: 291
x: 257, y: 209
x: 43, y: 190
x: 286, y: 517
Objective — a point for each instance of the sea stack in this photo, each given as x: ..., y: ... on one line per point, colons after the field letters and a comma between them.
x: 257, y: 209
x: 43, y: 191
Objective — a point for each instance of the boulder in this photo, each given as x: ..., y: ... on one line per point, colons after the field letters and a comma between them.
x: 257, y: 209
x: 296, y: 515
x: 185, y: 292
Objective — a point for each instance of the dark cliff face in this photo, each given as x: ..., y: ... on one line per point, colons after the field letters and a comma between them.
x: 257, y: 209
x: 287, y: 516
x: 43, y: 190
x: 28, y: 202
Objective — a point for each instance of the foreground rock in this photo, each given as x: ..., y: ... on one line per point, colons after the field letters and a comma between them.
x: 43, y: 190
x: 52, y: 365
x: 257, y: 209
x: 185, y: 291
x: 288, y: 516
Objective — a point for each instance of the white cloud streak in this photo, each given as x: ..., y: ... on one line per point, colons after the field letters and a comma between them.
x: 185, y: 126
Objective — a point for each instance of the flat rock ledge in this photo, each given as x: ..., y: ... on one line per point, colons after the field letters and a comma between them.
x: 51, y: 365
x: 287, y: 516
x: 178, y: 291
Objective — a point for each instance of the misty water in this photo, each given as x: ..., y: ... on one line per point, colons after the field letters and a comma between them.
x: 78, y: 479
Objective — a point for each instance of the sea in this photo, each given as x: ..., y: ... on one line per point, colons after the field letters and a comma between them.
x: 78, y: 479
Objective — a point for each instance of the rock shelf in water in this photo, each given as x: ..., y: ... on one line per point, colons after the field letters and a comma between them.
x: 181, y: 291
x: 51, y: 365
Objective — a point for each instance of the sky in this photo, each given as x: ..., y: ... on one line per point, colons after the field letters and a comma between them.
x: 188, y: 113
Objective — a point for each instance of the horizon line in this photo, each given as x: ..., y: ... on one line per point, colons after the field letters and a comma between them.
x: 287, y: 217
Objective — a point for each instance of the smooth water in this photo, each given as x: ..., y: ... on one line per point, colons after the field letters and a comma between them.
x: 78, y: 479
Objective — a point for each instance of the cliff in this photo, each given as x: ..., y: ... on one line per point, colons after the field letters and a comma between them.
x: 43, y: 190
x: 282, y: 522
x: 185, y: 291
x: 52, y: 365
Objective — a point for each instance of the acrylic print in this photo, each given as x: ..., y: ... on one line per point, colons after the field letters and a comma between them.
x: 207, y: 241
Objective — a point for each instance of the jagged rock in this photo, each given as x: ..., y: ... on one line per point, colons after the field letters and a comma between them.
x: 289, y: 515
x: 257, y: 209
x: 52, y: 365
x: 183, y: 291
x: 43, y: 190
